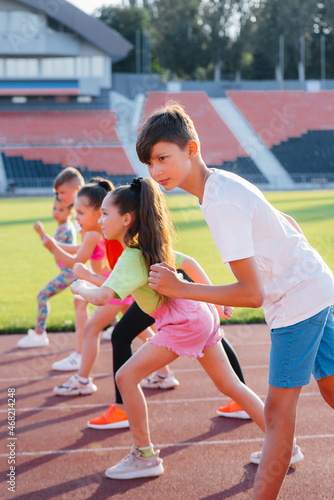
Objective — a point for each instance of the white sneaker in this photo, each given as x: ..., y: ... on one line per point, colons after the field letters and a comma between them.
x: 297, y: 456
x: 74, y: 387
x: 71, y: 363
x: 33, y: 339
x: 156, y: 381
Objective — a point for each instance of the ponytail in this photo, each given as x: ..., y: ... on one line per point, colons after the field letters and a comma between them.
x: 96, y: 190
x: 151, y: 230
x: 155, y: 226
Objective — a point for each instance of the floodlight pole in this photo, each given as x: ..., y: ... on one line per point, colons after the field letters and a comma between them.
x: 281, y: 59
x: 138, y: 54
x: 323, y: 61
x: 301, y: 65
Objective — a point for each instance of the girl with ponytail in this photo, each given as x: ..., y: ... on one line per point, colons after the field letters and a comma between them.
x: 137, y: 216
x: 93, y: 248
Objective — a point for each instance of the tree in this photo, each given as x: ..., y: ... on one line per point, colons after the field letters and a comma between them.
x: 177, y: 38
x: 126, y: 20
x: 292, y: 19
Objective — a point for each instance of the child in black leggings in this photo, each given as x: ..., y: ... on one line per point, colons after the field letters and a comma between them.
x: 127, y: 329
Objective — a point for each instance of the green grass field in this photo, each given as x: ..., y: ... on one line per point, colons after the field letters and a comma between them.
x: 27, y: 266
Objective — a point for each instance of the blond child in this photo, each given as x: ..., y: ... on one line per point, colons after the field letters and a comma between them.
x: 65, y: 233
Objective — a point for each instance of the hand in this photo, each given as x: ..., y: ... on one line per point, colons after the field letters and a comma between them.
x: 39, y: 227
x: 225, y: 312
x: 164, y: 279
x: 80, y: 270
x: 48, y: 241
x: 76, y: 285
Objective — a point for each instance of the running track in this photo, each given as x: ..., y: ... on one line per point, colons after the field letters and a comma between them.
x: 205, y: 457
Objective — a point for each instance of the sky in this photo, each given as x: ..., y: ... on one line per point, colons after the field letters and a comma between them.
x: 89, y: 6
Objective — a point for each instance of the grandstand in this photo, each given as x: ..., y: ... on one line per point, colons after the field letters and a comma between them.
x: 35, y: 145
x: 297, y: 126
x: 58, y: 109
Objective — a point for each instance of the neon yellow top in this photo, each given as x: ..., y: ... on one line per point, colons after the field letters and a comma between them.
x: 130, y: 277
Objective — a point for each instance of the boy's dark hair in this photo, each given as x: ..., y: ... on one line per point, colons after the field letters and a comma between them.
x: 67, y: 176
x: 167, y: 124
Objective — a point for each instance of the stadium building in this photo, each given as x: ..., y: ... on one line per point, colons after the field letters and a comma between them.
x: 55, y: 81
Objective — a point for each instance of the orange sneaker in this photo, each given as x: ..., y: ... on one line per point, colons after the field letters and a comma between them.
x: 232, y: 410
x: 113, y: 418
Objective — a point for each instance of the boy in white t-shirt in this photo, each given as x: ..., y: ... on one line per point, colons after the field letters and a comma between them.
x: 274, y: 266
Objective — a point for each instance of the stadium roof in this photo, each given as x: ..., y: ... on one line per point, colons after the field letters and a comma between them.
x: 91, y: 29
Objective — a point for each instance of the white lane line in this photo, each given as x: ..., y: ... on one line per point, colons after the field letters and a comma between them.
x: 101, y: 375
x: 64, y: 406
x: 161, y: 445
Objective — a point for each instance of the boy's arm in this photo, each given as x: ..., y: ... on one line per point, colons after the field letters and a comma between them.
x: 246, y: 292
x: 198, y: 275
x: 98, y: 297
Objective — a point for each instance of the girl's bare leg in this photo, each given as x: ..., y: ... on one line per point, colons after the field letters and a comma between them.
x: 147, y: 359
x: 217, y: 366
x: 101, y: 317
x: 81, y: 318
x: 143, y: 336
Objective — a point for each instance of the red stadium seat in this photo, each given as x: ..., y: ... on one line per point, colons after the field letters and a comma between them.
x: 111, y: 159
x: 58, y: 127
x: 277, y: 116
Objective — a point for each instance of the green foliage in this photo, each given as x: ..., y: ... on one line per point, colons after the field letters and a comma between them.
x: 291, y: 19
x: 126, y: 20
x: 177, y: 37
x: 27, y: 266
x: 189, y: 39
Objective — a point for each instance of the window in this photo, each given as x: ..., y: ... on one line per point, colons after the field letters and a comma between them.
x: 97, y: 66
x: 19, y: 67
x: 83, y: 66
x: 58, y: 67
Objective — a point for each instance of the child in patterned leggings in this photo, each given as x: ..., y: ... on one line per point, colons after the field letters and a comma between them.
x: 65, y: 233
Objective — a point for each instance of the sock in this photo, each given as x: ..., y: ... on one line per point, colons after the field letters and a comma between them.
x: 83, y: 380
x: 145, y: 451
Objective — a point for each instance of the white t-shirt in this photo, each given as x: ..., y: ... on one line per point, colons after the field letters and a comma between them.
x: 297, y: 283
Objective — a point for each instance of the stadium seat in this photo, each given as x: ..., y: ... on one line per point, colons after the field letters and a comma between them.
x: 297, y: 126
x: 58, y: 127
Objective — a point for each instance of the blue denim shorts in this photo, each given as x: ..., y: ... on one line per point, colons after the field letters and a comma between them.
x: 299, y: 350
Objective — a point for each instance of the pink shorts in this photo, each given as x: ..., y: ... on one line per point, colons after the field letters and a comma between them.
x: 186, y: 327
